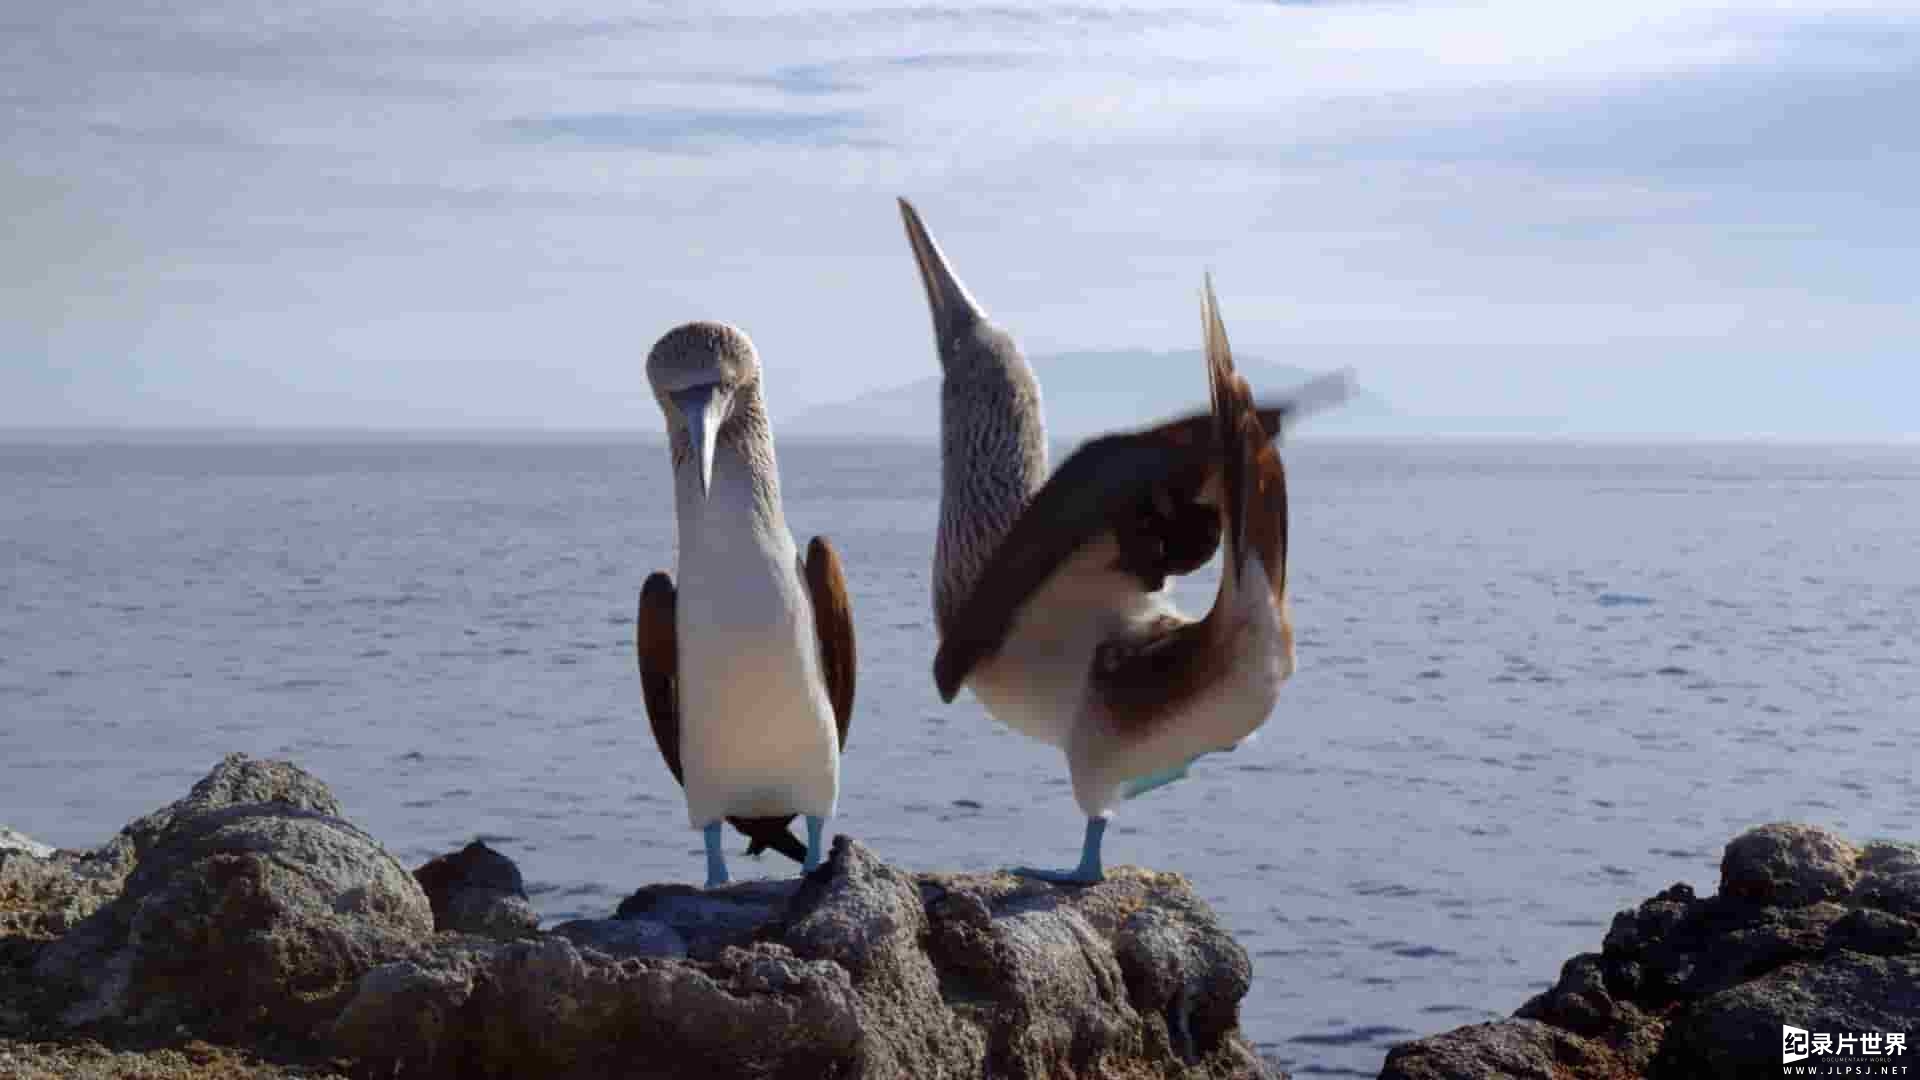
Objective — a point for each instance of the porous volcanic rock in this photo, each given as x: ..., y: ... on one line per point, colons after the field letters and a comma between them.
x: 250, y: 930
x: 249, y: 909
x: 45, y: 892
x: 477, y: 890
x: 860, y: 970
x: 1807, y: 930
x: 13, y: 842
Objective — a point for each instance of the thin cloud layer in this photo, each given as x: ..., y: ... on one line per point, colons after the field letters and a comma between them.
x: 478, y: 214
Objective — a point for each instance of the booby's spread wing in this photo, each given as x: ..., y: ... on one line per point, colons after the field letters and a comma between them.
x: 1149, y: 489
x: 657, y: 646
x: 1139, y: 676
x: 833, y: 627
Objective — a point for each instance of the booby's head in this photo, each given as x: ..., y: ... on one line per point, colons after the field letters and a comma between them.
x: 699, y: 372
x: 968, y: 341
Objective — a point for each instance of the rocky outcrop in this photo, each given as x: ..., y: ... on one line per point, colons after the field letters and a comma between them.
x: 252, y: 914
x: 1807, y: 930
x: 18, y: 843
x: 862, y: 970
x: 477, y: 890
x: 44, y: 892
x: 250, y: 907
x: 190, y: 1060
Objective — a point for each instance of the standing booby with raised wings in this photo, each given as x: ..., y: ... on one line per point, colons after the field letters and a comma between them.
x: 747, y: 667
x: 1051, y: 597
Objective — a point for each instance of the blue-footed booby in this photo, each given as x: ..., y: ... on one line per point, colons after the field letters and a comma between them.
x: 1050, y: 592
x: 747, y: 666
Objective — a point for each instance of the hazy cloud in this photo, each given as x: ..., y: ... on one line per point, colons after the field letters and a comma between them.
x: 663, y: 128
x: 479, y: 213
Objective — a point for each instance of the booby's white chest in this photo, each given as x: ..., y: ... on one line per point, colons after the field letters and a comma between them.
x: 1038, y: 681
x: 757, y: 732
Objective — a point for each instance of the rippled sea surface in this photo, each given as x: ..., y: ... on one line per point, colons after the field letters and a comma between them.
x: 1537, y: 683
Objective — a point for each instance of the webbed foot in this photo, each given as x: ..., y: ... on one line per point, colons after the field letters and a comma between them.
x: 1076, y: 876
x: 1088, y: 872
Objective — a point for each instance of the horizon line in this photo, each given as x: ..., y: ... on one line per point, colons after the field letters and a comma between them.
x: 217, y: 434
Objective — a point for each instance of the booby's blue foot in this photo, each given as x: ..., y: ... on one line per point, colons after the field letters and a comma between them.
x: 1088, y: 871
x: 716, y: 859
x: 1139, y: 786
x: 814, y: 827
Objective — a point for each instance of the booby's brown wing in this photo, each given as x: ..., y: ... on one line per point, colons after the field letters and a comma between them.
x: 833, y: 627
x: 1143, y: 487
x: 656, y: 645
x: 1084, y: 497
x: 1138, y: 679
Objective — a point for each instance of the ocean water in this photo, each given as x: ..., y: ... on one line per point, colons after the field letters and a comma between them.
x: 1537, y: 683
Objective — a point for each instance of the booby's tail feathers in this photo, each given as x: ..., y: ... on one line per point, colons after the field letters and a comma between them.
x: 1253, y: 484
x: 1232, y: 409
x: 770, y: 832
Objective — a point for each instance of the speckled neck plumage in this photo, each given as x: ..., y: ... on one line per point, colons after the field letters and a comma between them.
x: 993, y: 457
x: 993, y: 439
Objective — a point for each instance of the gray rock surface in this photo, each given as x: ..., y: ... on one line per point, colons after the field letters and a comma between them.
x: 13, y: 842
x: 1522, y: 1049
x: 862, y: 970
x: 252, y: 914
x: 637, y: 938
x: 477, y: 890
x: 45, y: 895
x: 1807, y: 930
x: 1735, y: 1031
x: 1788, y: 865
x: 191, y: 1060
x: 249, y: 908
x: 709, y: 919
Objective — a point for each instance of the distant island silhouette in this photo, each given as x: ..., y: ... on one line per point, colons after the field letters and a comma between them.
x: 1087, y: 393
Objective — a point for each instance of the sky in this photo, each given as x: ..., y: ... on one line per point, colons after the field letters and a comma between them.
x: 1635, y: 218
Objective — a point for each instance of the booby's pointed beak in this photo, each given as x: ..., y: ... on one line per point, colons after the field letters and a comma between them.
x: 953, y: 306
x: 698, y: 405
